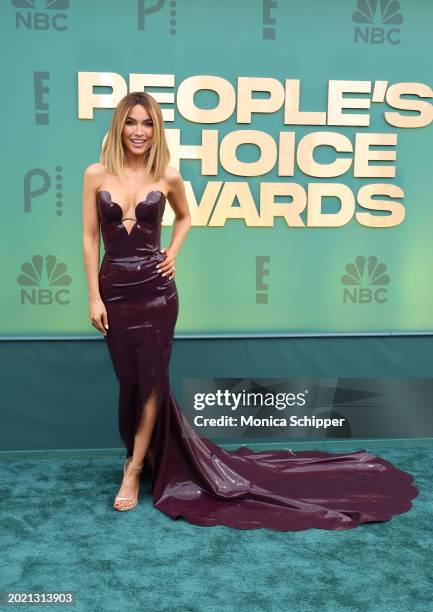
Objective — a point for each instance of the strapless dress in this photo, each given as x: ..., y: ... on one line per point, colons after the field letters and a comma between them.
x: 192, y: 477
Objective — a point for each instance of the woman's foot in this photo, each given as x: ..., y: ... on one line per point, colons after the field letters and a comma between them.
x: 127, y: 498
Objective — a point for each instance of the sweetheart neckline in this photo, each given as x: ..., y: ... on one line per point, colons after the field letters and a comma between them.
x: 135, y: 207
x: 138, y: 203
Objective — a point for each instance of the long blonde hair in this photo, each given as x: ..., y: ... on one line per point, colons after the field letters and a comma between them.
x: 112, y: 151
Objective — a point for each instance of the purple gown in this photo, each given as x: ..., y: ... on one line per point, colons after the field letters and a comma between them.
x: 192, y: 477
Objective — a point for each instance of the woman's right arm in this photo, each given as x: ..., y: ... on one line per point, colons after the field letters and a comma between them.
x: 91, y: 246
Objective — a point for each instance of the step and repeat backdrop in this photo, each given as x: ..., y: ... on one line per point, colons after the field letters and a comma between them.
x: 303, y: 133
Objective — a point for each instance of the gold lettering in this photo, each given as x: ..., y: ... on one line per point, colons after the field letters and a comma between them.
x: 363, y: 155
x: 425, y: 109
x: 365, y: 199
x: 247, y: 105
x: 291, y: 212
x: 305, y: 151
x: 315, y: 216
x: 225, y: 210
x: 336, y: 102
x: 191, y: 85
x: 266, y: 144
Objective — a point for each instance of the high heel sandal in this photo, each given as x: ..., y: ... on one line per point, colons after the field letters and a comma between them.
x: 133, y: 502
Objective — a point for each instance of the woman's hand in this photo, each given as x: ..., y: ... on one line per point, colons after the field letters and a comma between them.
x: 168, y: 266
x: 98, y: 315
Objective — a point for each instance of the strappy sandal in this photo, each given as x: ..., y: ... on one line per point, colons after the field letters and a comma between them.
x: 133, y: 502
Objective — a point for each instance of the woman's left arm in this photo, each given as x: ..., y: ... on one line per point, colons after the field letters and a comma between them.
x: 177, y: 199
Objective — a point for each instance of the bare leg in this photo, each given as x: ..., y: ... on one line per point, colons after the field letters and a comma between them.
x: 131, y: 480
x: 145, y: 429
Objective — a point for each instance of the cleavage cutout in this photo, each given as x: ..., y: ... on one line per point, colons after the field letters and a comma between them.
x: 135, y: 209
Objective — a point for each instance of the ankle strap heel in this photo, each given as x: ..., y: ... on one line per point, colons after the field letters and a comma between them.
x: 138, y: 468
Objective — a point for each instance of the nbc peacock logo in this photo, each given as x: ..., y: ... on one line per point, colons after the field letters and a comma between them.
x: 43, y: 14
x: 43, y: 282
x: 378, y: 20
x: 365, y: 281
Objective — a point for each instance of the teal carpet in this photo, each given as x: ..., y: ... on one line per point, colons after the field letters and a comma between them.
x: 59, y: 532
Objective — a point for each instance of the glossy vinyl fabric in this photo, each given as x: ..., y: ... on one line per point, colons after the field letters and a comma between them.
x: 192, y: 477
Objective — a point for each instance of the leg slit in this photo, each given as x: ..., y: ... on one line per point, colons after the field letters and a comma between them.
x: 150, y: 380
x: 144, y: 395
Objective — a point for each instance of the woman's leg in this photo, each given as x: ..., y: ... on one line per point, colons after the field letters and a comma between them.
x: 131, y: 479
x: 145, y: 429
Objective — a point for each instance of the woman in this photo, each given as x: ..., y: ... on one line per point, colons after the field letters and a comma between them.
x: 133, y: 302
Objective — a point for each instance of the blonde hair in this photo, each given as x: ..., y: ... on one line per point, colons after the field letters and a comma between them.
x: 112, y: 150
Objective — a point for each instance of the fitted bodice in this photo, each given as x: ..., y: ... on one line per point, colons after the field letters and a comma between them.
x: 145, y: 235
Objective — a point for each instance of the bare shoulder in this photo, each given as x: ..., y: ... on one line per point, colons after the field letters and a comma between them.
x: 172, y: 177
x: 176, y: 192
x: 95, y: 173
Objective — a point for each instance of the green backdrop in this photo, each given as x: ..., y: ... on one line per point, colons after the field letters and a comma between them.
x: 218, y: 270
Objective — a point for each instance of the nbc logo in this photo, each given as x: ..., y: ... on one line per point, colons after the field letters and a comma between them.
x: 373, y: 14
x: 365, y: 281
x: 54, y: 281
x: 42, y: 16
